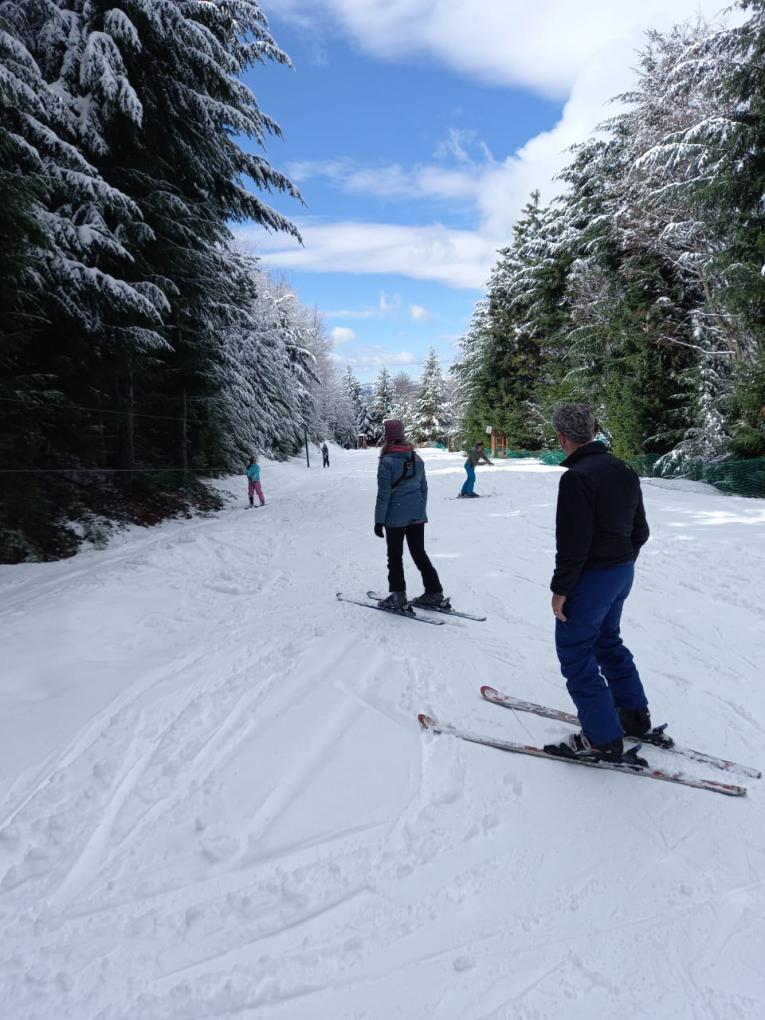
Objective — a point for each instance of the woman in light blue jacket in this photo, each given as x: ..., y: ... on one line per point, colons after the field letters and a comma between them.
x: 402, y: 496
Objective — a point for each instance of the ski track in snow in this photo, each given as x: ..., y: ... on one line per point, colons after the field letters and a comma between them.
x: 215, y: 800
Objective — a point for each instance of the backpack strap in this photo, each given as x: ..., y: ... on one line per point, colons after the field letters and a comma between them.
x: 404, y: 474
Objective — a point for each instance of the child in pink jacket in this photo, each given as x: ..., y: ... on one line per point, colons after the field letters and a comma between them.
x: 253, y: 481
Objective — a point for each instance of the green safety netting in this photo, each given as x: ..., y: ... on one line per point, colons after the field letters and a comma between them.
x: 546, y: 456
x: 737, y: 477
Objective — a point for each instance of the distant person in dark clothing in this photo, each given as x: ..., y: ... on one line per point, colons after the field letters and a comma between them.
x: 600, y: 528
x: 324, y: 455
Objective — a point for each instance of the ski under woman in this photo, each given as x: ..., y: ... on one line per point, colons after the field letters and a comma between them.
x: 402, y: 495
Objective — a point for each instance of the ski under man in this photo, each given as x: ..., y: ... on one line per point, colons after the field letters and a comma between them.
x: 600, y: 528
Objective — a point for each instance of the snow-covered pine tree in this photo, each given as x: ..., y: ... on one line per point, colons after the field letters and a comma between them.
x: 78, y: 231
x: 362, y: 419
x: 334, y: 414
x: 159, y: 105
x: 22, y: 185
x: 324, y: 388
x: 713, y: 159
x: 381, y: 403
x: 404, y: 397
x: 266, y: 396
x: 455, y: 411
x: 430, y: 422
x: 514, y: 332
x: 365, y: 424
x: 467, y: 371
x: 681, y: 355
x: 352, y: 389
x: 343, y: 414
x: 631, y: 333
x: 641, y: 289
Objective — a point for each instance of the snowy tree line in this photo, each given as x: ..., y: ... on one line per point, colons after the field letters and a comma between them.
x: 640, y: 289
x: 427, y: 408
x: 134, y: 335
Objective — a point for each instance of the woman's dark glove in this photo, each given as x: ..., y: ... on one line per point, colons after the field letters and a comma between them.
x: 379, y: 531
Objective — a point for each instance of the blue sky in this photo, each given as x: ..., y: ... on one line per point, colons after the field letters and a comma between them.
x: 415, y: 131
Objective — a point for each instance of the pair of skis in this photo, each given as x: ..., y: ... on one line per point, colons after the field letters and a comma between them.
x: 408, y: 613
x: 656, y: 737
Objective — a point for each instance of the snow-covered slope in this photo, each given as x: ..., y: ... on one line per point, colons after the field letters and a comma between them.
x: 215, y: 800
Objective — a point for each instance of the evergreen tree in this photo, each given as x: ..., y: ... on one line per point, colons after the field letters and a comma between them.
x: 359, y: 424
x: 404, y: 399
x: 366, y: 426
x: 430, y: 419
x: 381, y: 404
x: 714, y: 160
x: 352, y: 389
x: 268, y: 384
x: 514, y: 332
x: 120, y: 138
x: 72, y: 237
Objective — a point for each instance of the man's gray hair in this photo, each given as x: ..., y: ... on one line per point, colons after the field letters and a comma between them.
x: 575, y: 421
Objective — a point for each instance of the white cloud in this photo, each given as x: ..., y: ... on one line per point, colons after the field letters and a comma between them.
x: 542, y: 45
x: 388, y: 358
x: 351, y: 313
x: 342, y: 335
x: 458, y: 258
x: 417, y: 312
x: 392, y: 181
x: 458, y: 143
x: 386, y: 304
x: 580, y: 49
x: 376, y: 357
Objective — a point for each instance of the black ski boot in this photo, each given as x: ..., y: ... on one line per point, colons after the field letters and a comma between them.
x: 578, y: 746
x: 433, y: 600
x: 396, y: 602
x: 636, y: 722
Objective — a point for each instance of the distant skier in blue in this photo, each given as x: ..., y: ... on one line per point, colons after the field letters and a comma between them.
x: 475, y: 455
x: 600, y: 529
x: 402, y: 496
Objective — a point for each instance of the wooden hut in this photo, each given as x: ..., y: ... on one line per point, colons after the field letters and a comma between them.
x: 498, y: 442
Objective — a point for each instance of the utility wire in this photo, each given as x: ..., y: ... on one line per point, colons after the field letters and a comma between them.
x: 96, y: 410
x: 110, y: 471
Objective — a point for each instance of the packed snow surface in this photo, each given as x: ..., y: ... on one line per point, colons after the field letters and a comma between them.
x: 215, y: 800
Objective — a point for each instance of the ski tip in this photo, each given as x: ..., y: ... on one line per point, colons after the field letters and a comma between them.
x: 426, y: 721
x: 488, y: 692
x: 729, y: 789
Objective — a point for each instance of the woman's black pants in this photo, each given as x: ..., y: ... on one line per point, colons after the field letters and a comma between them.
x: 415, y: 539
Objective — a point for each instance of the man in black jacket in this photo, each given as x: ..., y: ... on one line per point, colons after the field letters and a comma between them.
x: 600, y: 527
